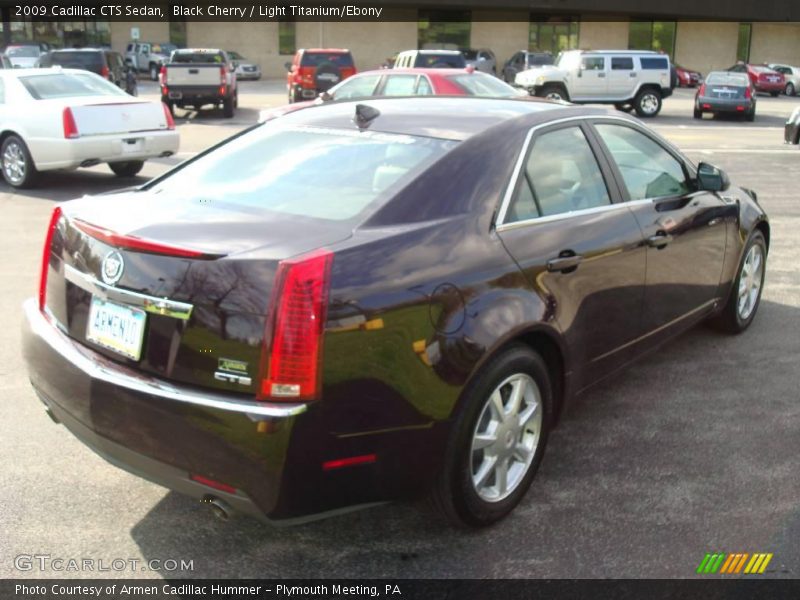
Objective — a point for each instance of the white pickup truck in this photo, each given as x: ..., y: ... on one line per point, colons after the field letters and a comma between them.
x: 197, y: 77
x: 146, y: 57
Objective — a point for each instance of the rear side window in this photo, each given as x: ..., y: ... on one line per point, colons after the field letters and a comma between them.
x: 648, y: 169
x: 621, y: 63
x: 357, y: 87
x: 315, y: 59
x: 561, y: 175
x: 66, y: 85
x: 480, y: 84
x: 320, y: 173
x: 654, y: 63
x: 451, y: 61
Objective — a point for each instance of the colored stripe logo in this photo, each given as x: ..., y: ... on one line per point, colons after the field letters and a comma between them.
x: 734, y: 563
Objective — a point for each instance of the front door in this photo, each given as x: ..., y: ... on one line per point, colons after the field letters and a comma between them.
x: 684, y: 229
x: 581, y: 251
x: 590, y: 82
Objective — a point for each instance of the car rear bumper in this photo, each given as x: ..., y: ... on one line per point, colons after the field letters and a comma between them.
x: 53, y: 153
x: 769, y: 87
x: 719, y: 105
x: 186, y: 94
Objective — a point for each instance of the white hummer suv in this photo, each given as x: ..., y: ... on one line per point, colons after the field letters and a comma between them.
x: 620, y: 77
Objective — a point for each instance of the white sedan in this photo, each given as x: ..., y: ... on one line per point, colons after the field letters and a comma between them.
x: 67, y: 118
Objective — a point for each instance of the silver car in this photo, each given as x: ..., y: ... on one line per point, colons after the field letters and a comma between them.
x: 790, y: 74
x: 482, y: 60
x: 244, y: 68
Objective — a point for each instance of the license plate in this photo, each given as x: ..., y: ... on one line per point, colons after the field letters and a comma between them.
x: 176, y: 95
x: 132, y: 146
x: 116, y: 327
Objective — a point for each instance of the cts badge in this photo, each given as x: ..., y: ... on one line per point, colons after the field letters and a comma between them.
x: 111, y: 267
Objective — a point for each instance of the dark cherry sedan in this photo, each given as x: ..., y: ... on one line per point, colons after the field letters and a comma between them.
x: 362, y: 302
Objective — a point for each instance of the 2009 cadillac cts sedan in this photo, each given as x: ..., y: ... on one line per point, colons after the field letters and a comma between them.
x: 360, y: 302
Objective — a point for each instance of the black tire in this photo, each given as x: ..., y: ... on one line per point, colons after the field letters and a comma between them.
x: 154, y: 70
x: 774, y: 94
x: 647, y: 103
x: 128, y: 168
x: 228, y: 107
x: 790, y: 90
x: 730, y: 318
x: 553, y: 91
x: 750, y: 115
x: 18, y: 168
x: 697, y: 114
x: 454, y: 494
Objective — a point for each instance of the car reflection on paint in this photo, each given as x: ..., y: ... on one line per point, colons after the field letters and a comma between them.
x: 399, y: 296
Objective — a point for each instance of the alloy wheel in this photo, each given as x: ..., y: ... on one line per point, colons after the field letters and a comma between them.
x: 14, y: 163
x: 649, y: 104
x: 750, y: 281
x: 506, y: 437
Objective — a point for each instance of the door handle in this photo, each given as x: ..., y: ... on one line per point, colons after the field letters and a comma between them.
x: 564, y: 264
x: 659, y: 241
x: 601, y: 74
x: 633, y: 74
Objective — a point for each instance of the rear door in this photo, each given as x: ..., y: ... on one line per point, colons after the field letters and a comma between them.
x: 580, y: 249
x: 591, y: 81
x: 622, y: 77
x: 684, y: 229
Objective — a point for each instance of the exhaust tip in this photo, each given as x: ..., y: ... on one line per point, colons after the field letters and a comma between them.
x: 219, y: 508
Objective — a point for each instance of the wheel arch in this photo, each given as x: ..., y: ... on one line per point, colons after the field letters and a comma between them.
x: 5, y: 133
x: 763, y: 227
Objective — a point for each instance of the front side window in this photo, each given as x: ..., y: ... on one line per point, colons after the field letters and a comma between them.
x: 356, y: 87
x: 593, y: 63
x: 561, y: 175
x: 648, y: 169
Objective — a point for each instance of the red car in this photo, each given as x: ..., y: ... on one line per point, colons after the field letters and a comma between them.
x: 408, y: 82
x: 687, y: 77
x: 762, y: 77
x: 316, y: 70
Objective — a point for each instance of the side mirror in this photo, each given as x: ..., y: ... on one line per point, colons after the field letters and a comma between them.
x: 712, y: 179
x: 288, y: 66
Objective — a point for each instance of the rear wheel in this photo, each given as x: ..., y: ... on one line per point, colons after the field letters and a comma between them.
x: 647, y: 103
x: 790, y: 91
x: 745, y: 294
x: 228, y: 107
x: 698, y: 114
x: 498, y: 440
x: 750, y: 115
x: 128, y: 168
x: 18, y: 168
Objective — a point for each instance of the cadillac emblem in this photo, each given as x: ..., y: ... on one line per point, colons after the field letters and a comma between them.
x: 111, y: 268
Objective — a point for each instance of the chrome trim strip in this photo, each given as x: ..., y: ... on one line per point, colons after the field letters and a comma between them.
x: 100, y: 368
x: 151, y: 304
x: 501, y: 225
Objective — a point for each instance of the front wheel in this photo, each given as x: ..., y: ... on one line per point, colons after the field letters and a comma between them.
x: 647, y: 103
x: 128, y: 168
x: 18, y: 168
x: 554, y: 92
x: 498, y: 440
x: 745, y: 294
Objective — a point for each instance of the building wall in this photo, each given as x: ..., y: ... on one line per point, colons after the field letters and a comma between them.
x: 706, y: 46
x: 775, y: 42
x: 258, y: 42
x: 504, y: 35
x: 603, y: 35
x: 155, y: 32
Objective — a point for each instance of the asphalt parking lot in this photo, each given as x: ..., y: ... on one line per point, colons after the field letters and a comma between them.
x: 693, y: 450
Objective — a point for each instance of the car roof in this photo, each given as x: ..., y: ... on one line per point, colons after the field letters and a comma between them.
x: 328, y: 50
x: 420, y: 71
x: 79, y: 50
x: 445, y: 117
x: 432, y: 51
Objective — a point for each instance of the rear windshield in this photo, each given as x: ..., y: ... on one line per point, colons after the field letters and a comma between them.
x: 315, y: 59
x: 320, y: 173
x: 23, y: 51
x: 76, y: 60
x: 739, y: 79
x: 198, y: 57
x: 762, y: 69
x: 68, y: 85
x: 656, y: 63
x: 452, y: 61
x: 480, y: 84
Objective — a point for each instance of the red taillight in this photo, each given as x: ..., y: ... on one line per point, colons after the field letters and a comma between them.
x: 748, y: 93
x: 222, y: 74
x: 292, y: 350
x: 168, y: 117
x: 137, y: 244
x: 104, y: 72
x: 48, y: 241
x: 217, y: 485
x: 162, y: 75
x: 702, y: 90
x: 68, y: 121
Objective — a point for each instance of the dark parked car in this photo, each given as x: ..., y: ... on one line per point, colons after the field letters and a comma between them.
x: 386, y: 298
x: 727, y: 93
x: 524, y: 60
x: 106, y: 63
x: 791, y: 132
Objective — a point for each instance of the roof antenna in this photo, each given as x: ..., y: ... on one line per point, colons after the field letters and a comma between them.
x: 365, y: 115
